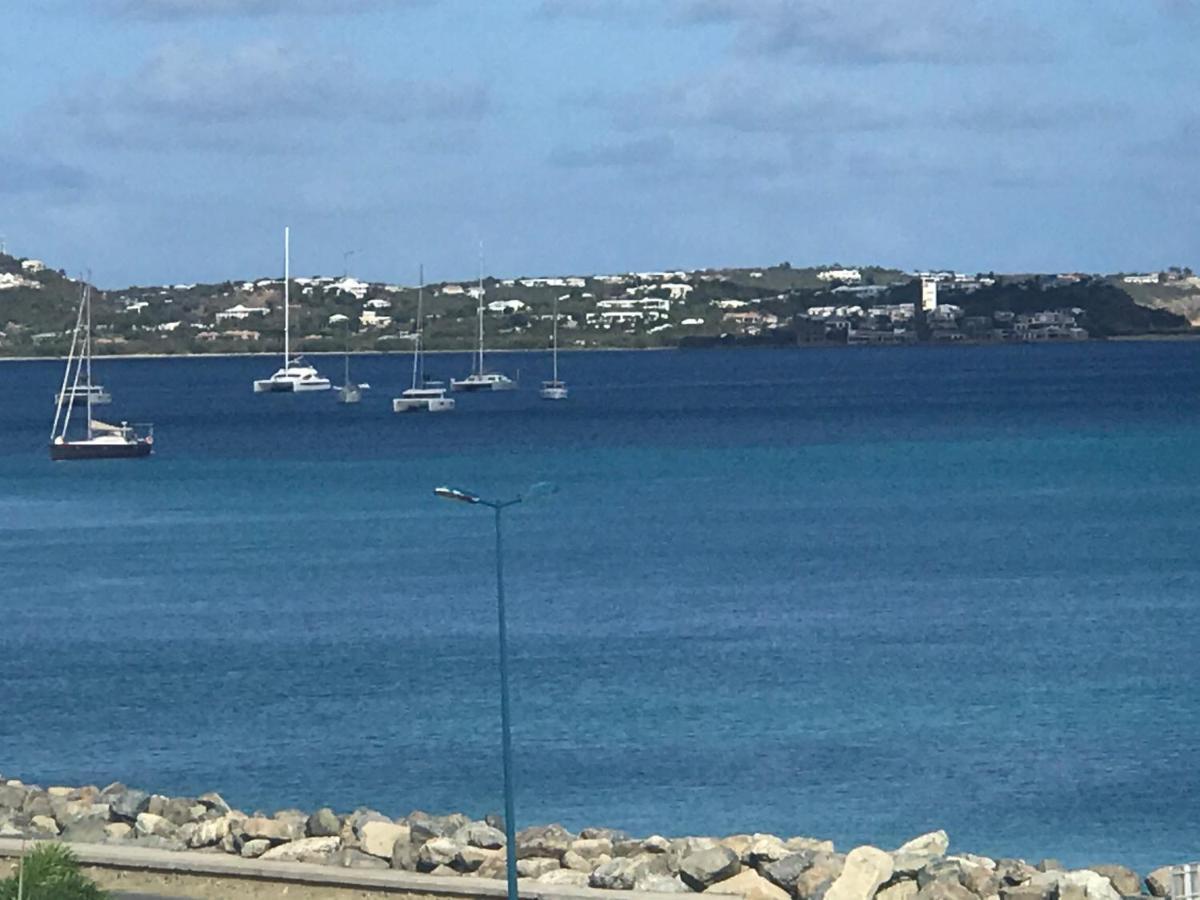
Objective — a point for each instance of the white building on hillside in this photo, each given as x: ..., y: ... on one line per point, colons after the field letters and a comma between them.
x: 929, y: 291
x: 241, y: 311
x: 850, y: 275
x: 32, y: 266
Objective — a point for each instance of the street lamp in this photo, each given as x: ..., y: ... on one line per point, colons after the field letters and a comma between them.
x: 540, y: 489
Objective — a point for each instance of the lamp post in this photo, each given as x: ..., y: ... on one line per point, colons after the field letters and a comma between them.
x: 498, y: 507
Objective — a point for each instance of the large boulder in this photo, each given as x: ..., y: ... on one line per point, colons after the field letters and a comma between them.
x: 592, y: 848
x: 609, y: 834
x: 944, y: 890
x: 899, y: 890
x: 544, y: 840
x: 425, y: 827
x: 115, y: 832
x: 471, y: 859
x: 536, y: 866
x: 866, y: 868
x: 125, y: 804
x: 323, y: 823
x: 704, y: 868
x: 1158, y: 882
x: 209, y: 833
x: 626, y: 873
x: 662, y: 884
x: 1014, y: 871
x: 749, y: 884
x: 260, y: 828
x: 568, y: 877
x: 809, y: 843
x: 816, y: 880
x: 1126, y: 881
x: 436, y: 852
x: 308, y: 850
x: 481, y: 835
x: 380, y: 838
x: 214, y: 803
x: 765, y: 849
x: 44, y: 825
x: 12, y: 796
x: 353, y: 858
x: 572, y: 860
x: 1086, y: 884
x: 255, y: 848
x: 148, y: 824
x: 1039, y: 886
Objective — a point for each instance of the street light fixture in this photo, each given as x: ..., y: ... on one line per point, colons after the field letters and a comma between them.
x: 542, y: 488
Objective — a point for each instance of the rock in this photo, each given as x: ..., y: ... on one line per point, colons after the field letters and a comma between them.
x: 117, y: 831
x: 380, y: 838
x: 209, y: 833
x: 1014, y: 871
x: 425, y: 827
x: 214, y: 803
x: 404, y: 856
x: 739, y: 844
x: 1124, y: 880
x: 1158, y: 882
x: 360, y: 817
x: 156, y: 803
x: 63, y: 792
x: 901, y: 890
x: 261, y: 828
x: 470, y: 859
x: 795, y: 844
x: 481, y: 835
x: 1088, y: 884
x: 979, y: 880
x: 662, y: 884
x: 939, y: 870
x: 148, y: 824
x: 765, y: 849
x: 656, y: 843
x: 569, y: 877
x: 37, y: 803
x: 704, y: 868
x: 628, y: 847
x: 444, y: 871
x: 943, y: 889
x: 971, y: 859
x: 544, y: 840
x: 866, y: 868
x: 609, y: 834
x: 616, y: 875
x: 436, y: 852
x: 323, y: 823
x: 12, y: 796
x: 934, y: 844
x: 493, y: 868
x: 815, y: 882
x: 1049, y: 865
x: 683, y: 847
x: 127, y: 803
x: 293, y: 822
x: 572, y: 860
x: 592, y: 848
x: 73, y: 811
x: 309, y: 850
x: 749, y: 884
x: 44, y: 824
x: 87, y: 831
x: 255, y: 848
x: 155, y: 842
x: 182, y: 810
x: 784, y: 872
x: 352, y: 858
x: 1037, y: 887
x: 536, y: 866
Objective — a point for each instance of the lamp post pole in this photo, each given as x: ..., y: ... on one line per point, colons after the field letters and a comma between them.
x: 498, y: 507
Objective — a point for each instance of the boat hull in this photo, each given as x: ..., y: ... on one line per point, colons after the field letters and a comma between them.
x: 349, y: 395
x: 554, y: 393
x: 81, y: 400
x: 266, y: 386
x: 478, y: 386
x: 66, y: 450
x: 437, y: 404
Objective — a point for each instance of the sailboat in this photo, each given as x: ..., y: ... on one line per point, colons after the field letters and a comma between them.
x: 425, y: 395
x: 349, y: 392
x: 294, y: 377
x: 480, y: 379
x: 102, y: 441
x: 554, y: 389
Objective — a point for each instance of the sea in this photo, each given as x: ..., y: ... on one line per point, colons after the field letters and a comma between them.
x: 854, y: 593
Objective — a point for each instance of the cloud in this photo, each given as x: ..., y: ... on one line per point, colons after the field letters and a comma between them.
x: 22, y: 175
x: 637, y: 153
x: 601, y: 10
x: 259, y: 94
x: 165, y: 10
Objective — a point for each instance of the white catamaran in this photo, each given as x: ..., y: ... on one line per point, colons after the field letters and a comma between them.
x: 102, y: 441
x: 555, y: 389
x: 425, y: 395
x: 295, y: 376
x: 480, y: 379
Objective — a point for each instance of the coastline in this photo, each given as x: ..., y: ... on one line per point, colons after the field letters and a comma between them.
x: 757, y: 866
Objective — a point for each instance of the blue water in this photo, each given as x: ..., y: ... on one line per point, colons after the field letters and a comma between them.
x: 857, y: 594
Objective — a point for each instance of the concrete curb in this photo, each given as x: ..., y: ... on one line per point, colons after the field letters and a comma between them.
x: 192, y: 862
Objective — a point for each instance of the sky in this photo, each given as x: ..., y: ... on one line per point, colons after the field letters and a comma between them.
x: 169, y: 141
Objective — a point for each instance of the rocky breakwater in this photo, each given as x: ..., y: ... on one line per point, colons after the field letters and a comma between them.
x: 755, y: 866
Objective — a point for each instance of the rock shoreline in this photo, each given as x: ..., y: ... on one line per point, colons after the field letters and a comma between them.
x: 756, y: 866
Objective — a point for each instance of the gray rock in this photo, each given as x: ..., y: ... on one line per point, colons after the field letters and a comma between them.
x: 749, y: 885
x: 148, y: 824
x: 705, y: 868
x: 425, y: 827
x: 609, y: 834
x: 404, y: 856
x: 309, y: 850
x: 616, y: 875
x: 1049, y: 865
x: 572, y: 860
x: 44, y: 825
x: 784, y: 872
x: 439, y: 851
x: 865, y: 869
x: 1014, y: 871
x: 470, y: 859
x: 814, y: 883
x: 979, y: 880
x: 1126, y: 881
x: 1158, y: 882
x: 662, y: 884
x: 899, y: 890
x: 37, y: 803
x: 626, y: 847
x: 209, y: 833
x: 481, y: 835
x: 87, y: 831
x: 536, y: 866
x: 544, y: 840
x: 932, y: 845
x: 261, y: 828
x: 568, y: 877
x: 937, y: 870
x: 255, y: 848
x: 323, y: 823
x: 593, y: 848
x: 126, y: 804
x: 809, y: 843
x: 180, y: 810
x: 115, y: 832
x: 13, y: 796
x: 350, y: 858
x: 1086, y: 884
x: 444, y: 872
x: 214, y: 803
x: 764, y: 849
x: 360, y: 817
x: 380, y: 838
x: 944, y: 890
x: 1031, y: 889
x: 656, y: 843
x: 156, y: 804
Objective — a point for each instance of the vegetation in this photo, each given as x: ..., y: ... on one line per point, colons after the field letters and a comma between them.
x: 50, y: 872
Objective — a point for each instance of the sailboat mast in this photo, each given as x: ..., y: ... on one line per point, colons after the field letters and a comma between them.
x: 88, y: 345
x: 480, y: 368
x: 417, y: 373
x: 287, y: 275
x: 556, y: 339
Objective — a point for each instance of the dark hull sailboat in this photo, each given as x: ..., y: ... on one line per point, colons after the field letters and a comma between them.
x: 132, y: 448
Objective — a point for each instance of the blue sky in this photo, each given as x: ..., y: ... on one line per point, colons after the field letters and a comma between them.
x: 170, y: 140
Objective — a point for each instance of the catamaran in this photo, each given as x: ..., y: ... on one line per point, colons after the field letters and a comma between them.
x: 480, y: 379
x: 554, y: 389
x: 425, y: 395
x: 295, y: 376
x: 102, y: 441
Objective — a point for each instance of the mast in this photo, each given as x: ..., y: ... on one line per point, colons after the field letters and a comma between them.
x: 556, y: 339
x: 417, y: 373
x: 480, y: 367
x: 88, y: 349
x: 287, y: 262
x: 72, y: 360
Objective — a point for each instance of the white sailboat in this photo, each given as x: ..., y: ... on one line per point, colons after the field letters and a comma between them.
x: 555, y: 389
x: 102, y: 441
x: 480, y: 379
x: 295, y: 376
x: 425, y: 395
x: 349, y: 392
